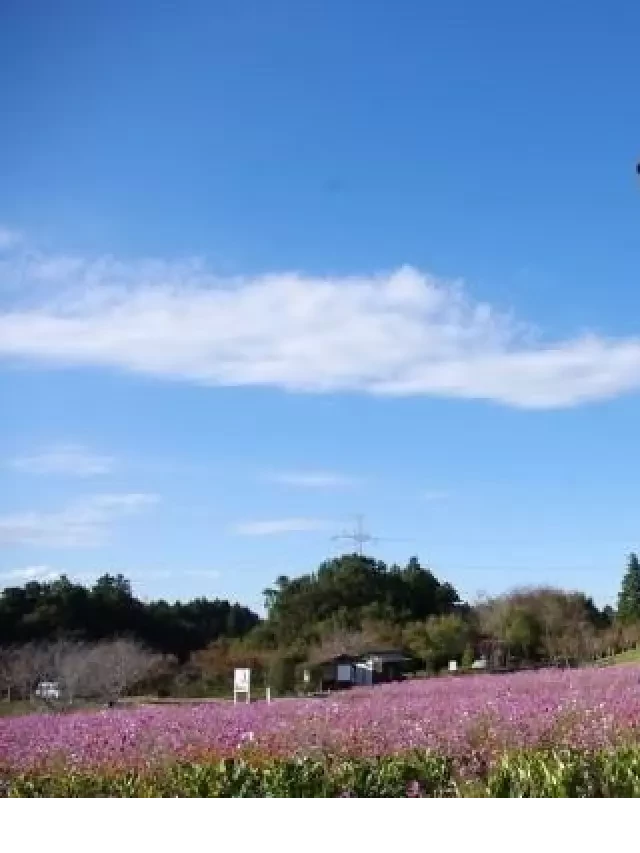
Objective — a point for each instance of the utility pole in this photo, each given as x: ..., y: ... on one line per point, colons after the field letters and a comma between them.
x: 358, y: 535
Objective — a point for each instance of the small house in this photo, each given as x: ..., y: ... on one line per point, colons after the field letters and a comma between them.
x: 333, y: 673
x: 370, y: 668
x: 382, y: 666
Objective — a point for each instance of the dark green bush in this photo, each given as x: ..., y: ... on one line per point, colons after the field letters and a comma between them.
x: 282, y: 675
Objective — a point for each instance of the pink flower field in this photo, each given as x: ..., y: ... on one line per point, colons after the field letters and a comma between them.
x: 468, y: 718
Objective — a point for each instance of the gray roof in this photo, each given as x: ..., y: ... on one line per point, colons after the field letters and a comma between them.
x: 388, y: 655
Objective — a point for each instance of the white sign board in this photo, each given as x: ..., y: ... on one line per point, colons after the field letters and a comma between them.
x: 241, y: 679
x: 242, y: 683
x: 453, y: 665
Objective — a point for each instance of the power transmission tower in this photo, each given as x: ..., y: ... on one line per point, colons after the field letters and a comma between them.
x: 357, y: 535
x: 360, y: 536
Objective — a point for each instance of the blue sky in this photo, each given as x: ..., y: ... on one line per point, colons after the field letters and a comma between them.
x: 267, y: 265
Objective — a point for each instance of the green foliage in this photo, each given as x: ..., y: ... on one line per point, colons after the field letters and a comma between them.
x: 305, y: 777
x: 629, y: 597
x: 351, y: 604
x: 350, y: 590
x: 522, y: 631
x: 543, y: 624
x: 439, y: 639
x: 533, y: 774
x: 282, y: 674
x: 467, y: 658
x: 567, y: 773
x: 45, y: 611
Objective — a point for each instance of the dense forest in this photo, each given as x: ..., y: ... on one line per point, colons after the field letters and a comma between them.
x: 108, y: 609
x: 350, y: 590
x: 350, y: 604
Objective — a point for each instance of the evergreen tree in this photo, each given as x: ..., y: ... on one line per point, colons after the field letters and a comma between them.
x: 629, y: 597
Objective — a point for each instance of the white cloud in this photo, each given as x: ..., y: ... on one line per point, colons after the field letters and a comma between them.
x: 46, y: 574
x: 30, y: 573
x: 434, y: 495
x: 401, y: 333
x: 312, y: 479
x: 9, y: 238
x: 124, y: 503
x: 85, y: 523
x: 166, y: 574
x: 205, y: 574
x: 279, y: 526
x: 67, y: 459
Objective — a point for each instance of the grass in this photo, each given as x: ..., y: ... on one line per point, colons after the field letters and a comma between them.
x: 22, y: 707
x: 629, y: 656
x: 17, y: 708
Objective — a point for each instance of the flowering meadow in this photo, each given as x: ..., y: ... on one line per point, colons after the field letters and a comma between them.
x: 434, y: 736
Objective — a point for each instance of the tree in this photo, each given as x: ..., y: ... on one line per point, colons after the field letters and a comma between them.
x: 7, y: 671
x: 439, y: 639
x: 353, y: 589
x: 629, y: 597
x: 522, y: 632
x: 73, y: 668
x: 119, y: 665
x: 24, y: 666
x: 282, y: 674
x: 467, y: 658
x: 543, y: 623
x: 45, y: 612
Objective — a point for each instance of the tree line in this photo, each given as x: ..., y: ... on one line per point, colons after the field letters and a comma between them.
x: 102, y: 671
x: 354, y: 604
x: 351, y: 604
x: 41, y: 612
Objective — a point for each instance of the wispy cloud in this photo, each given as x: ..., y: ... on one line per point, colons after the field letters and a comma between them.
x: 312, y: 479
x: 30, y: 573
x: 85, y: 523
x: 205, y: 574
x: 46, y: 574
x: 159, y: 574
x: 434, y: 495
x: 279, y: 526
x: 9, y: 238
x: 399, y: 333
x: 68, y: 459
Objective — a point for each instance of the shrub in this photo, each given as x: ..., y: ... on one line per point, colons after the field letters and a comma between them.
x: 282, y: 675
x: 467, y: 658
x: 540, y: 773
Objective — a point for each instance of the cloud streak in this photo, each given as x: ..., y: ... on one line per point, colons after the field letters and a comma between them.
x: 403, y: 333
x: 46, y: 574
x: 312, y: 479
x: 82, y: 524
x: 9, y: 238
x: 42, y: 574
x: 279, y: 526
x: 434, y: 495
x: 69, y: 460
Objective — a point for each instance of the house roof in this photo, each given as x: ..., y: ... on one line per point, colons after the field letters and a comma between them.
x: 389, y: 655
x: 386, y: 655
x: 343, y: 658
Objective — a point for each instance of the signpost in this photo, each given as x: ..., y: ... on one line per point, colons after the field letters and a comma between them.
x: 241, y: 684
x: 453, y: 665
